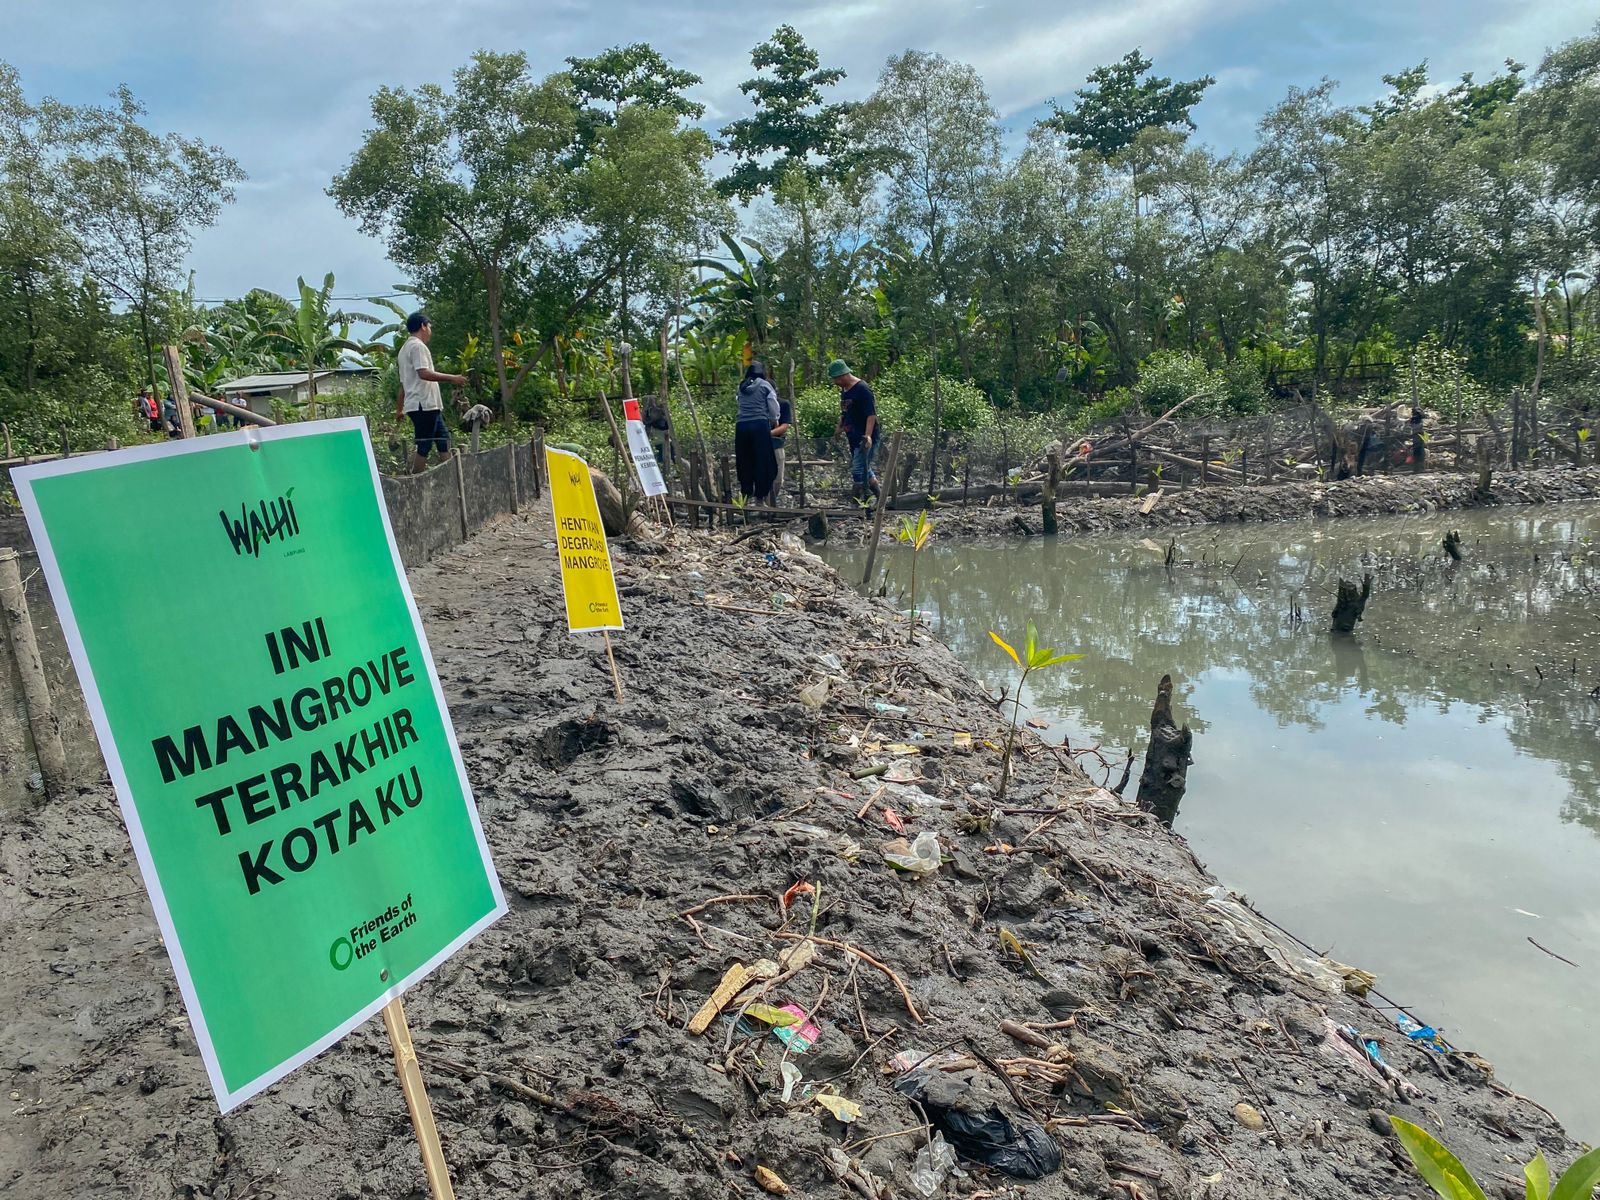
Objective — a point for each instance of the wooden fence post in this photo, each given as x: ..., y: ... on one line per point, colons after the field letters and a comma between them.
x: 796, y: 439
x: 43, y: 721
x: 6, y: 430
x: 538, y: 460
x: 180, y: 389
x: 461, y: 491
x: 1205, y: 460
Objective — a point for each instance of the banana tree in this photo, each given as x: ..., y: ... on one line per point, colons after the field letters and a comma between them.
x: 708, y: 356
x: 317, y: 336
x: 744, y: 294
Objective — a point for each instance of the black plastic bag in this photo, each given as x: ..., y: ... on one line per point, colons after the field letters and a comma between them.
x: 978, y: 1129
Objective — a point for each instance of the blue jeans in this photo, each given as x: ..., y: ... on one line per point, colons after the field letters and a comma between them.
x: 861, y: 456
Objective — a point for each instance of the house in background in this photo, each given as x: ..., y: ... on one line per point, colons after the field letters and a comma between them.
x: 257, y: 392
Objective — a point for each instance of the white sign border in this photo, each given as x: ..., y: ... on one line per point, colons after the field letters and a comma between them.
x: 23, y: 479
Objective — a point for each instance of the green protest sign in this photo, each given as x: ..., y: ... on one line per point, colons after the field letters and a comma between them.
x: 281, y: 751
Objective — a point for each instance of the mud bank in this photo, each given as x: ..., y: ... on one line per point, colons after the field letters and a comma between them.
x: 1368, y: 496
x: 1185, y: 1052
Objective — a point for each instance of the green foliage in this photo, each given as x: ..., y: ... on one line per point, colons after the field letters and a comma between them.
x: 1168, y: 377
x: 817, y: 411
x: 790, y: 119
x: 1443, y: 384
x: 89, y: 403
x: 1445, y: 1174
x: 904, y: 395
x: 1123, y: 100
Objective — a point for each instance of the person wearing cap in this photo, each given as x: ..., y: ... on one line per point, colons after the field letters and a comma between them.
x: 858, y: 421
x: 754, y: 422
x: 419, y: 396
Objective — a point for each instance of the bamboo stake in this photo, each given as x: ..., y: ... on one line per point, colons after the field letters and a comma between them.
x: 877, y: 524
x: 43, y: 721
x: 699, y: 434
x: 416, y: 1092
x: 611, y: 656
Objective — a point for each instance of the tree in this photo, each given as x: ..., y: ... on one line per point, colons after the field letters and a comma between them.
x: 932, y: 120
x: 37, y: 251
x: 636, y: 74
x: 316, y: 336
x: 483, y: 174
x: 134, y: 200
x: 790, y: 120
x: 793, y: 145
x: 642, y: 135
x: 1118, y: 105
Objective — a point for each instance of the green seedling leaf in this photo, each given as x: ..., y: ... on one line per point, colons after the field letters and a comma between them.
x: 1537, y: 1173
x: 1046, y: 657
x: 1441, y: 1170
x: 1004, y: 645
x: 1579, y: 1179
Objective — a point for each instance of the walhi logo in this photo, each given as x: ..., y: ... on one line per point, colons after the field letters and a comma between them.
x: 260, y: 525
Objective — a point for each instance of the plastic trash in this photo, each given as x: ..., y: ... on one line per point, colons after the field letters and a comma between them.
x: 780, y: 599
x: 844, y: 1111
x: 878, y: 706
x: 800, y: 1034
x: 791, y: 1076
x: 815, y: 695
x: 978, y: 1129
x: 1423, y: 1035
x: 936, y: 1162
x: 921, y: 857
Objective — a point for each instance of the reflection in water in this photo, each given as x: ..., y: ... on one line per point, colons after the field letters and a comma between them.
x: 1409, y: 795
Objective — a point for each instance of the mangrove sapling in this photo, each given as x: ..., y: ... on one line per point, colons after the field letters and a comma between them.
x: 1033, y: 658
x: 916, y: 534
x: 1445, y: 1174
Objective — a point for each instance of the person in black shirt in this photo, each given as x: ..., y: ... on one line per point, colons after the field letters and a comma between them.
x: 858, y: 421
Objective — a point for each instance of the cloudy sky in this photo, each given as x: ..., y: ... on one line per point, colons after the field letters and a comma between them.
x: 284, y: 85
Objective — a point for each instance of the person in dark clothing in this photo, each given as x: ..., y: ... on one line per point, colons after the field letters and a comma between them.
x: 858, y: 421
x: 752, y: 434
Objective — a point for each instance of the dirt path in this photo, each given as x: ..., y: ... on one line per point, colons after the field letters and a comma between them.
x: 559, y: 1061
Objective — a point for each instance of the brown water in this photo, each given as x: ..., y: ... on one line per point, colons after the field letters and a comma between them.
x: 1418, y: 800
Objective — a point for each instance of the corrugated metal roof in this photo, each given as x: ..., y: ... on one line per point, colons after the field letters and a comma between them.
x: 281, y: 379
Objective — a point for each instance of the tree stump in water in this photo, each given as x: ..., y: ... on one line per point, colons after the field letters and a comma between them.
x: 1052, y: 477
x: 1351, y: 603
x: 817, y: 527
x: 1166, y: 762
x: 1452, y: 545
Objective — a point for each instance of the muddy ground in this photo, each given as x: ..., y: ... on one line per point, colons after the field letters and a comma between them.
x: 555, y: 1045
x: 1367, y: 496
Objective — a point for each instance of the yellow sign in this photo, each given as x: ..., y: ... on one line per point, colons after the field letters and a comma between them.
x: 586, y: 580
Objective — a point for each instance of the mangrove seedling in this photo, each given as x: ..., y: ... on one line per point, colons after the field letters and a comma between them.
x: 1445, y: 1174
x: 915, y: 534
x: 1033, y: 658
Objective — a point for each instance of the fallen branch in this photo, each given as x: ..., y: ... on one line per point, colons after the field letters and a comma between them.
x: 1552, y: 953
x: 899, y: 983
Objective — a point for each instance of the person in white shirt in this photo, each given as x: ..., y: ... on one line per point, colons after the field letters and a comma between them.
x: 418, y: 397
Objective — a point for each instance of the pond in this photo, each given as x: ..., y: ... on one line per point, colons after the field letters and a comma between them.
x: 1420, y: 799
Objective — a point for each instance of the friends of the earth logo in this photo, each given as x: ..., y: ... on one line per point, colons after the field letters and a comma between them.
x: 573, y: 476
x: 260, y: 525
